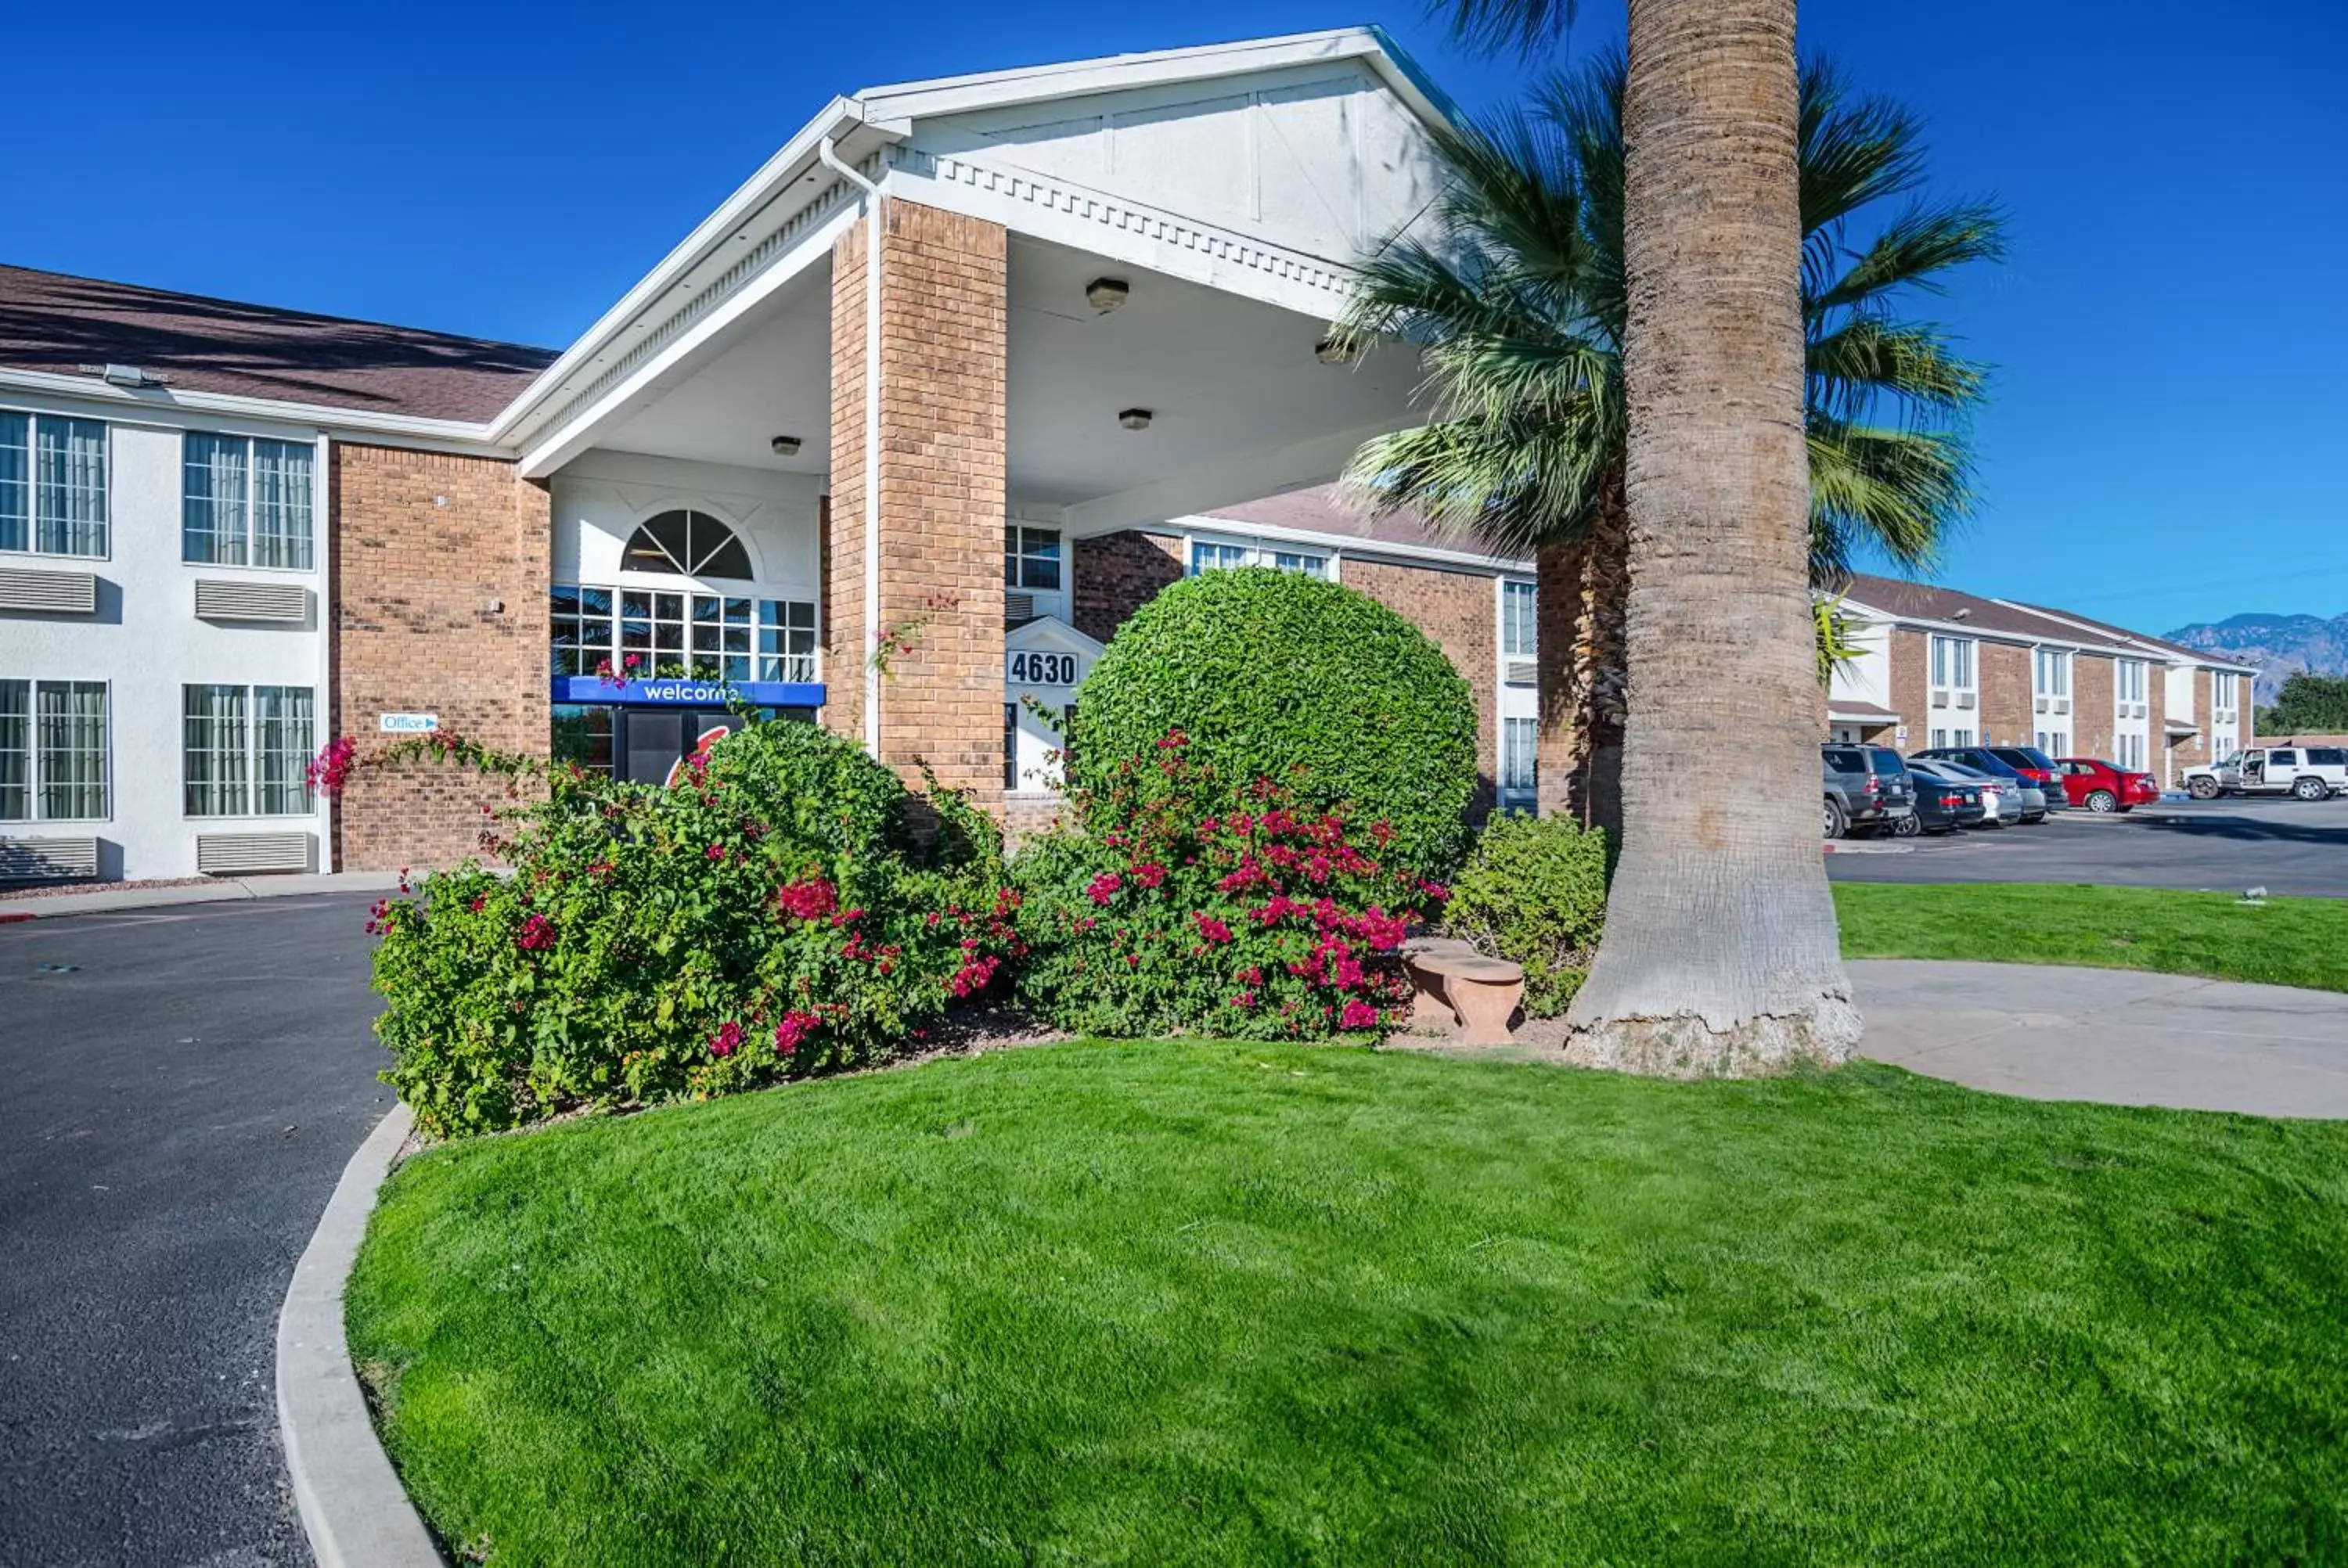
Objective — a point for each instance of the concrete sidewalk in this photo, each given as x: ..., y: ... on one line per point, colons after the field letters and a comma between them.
x: 2117, y: 1036
x: 99, y: 896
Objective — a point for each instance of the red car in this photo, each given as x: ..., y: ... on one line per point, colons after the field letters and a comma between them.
x: 2102, y: 787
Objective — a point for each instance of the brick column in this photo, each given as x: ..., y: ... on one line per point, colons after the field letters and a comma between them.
x: 438, y: 605
x: 943, y: 328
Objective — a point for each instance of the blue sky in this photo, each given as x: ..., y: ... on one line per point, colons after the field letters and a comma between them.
x: 2166, y: 439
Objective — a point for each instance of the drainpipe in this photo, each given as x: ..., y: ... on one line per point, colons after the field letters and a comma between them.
x: 832, y: 161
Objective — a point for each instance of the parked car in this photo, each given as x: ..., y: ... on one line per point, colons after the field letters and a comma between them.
x: 2303, y: 772
x: 1992, y: 760
x: 1945, y: 805
x: 2102, y: 787
x: 2001, y: 798
x: 1866, y: 786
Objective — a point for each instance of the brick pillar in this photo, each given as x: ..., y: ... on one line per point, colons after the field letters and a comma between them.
x: 438, y: 605
x: 944, y: 326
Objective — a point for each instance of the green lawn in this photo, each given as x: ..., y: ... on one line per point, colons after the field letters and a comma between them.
x: 1227, y: 1303
x: 2286, y: 942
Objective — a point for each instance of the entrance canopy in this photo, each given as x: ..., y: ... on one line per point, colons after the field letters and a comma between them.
x: 1178, y: 228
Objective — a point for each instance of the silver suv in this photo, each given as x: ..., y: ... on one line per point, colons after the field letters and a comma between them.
x: 2303, y: 772
x: 1866, y: 786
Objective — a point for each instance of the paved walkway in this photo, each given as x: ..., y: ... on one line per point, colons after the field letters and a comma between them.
x: 2113, y: 1035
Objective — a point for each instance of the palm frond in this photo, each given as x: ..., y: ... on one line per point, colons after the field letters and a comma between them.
x: 1912, y: 252
x: 1866, y: 360
x: 1498, y: 26
x: 1898, y: 493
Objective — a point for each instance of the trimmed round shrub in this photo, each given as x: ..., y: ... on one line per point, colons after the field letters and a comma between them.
x: 1275, y: 675
x: 1534, y: 890
x: 766, y: 917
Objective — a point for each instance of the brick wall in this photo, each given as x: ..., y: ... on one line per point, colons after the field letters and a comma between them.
x: 2091, y: 704
x: 1911, y: 685
x: 944, y: 323
x: 1116, y: 574
x: 2006, y: 715
x: 423, y: 545
x: 1458, y: 610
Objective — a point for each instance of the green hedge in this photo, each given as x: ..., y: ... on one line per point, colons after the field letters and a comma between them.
x: 1273, y: 675
x: 1534, y: 890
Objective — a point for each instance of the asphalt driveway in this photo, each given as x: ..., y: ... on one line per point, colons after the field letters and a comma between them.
x: 176, y: 1102
x: 2287, y: 846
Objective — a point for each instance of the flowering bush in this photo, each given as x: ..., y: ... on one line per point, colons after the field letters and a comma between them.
x: 1170, y: 914
x: 768, y: 916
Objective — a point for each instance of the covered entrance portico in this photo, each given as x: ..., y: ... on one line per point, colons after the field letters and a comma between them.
x: 949, y: 330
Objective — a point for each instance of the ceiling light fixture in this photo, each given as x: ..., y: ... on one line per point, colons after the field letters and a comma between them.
x: 1330, y: 350
x: 785, y: 446
x: 1105, y: 294
x: 1135, y: 418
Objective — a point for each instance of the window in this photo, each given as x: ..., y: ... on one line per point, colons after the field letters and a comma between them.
x: 1031, y: 558
x: 245, y: 750
x: 52, y: 485
x: 1518, y: 632
x: 2050, y: 673
x: 1010, y: 746
x: 1294, y: 560
x: 722, y: 637
x: 687, y: 544
x: 2054, y: 743
x: 2127, y: 679
x: 2131, y: 752
x: 1939, y: 740
x: 244, y: 502
x: 582, y: 737
x: 2225, y: 696
x: 53, y: 751
x: 1519, y: 756
x: 1205, y: 557
x: 1952, y: 662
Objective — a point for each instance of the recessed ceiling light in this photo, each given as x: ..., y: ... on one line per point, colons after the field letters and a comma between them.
x: 1104, y: 294
x: 1135, y: 418
x: 785, y: 446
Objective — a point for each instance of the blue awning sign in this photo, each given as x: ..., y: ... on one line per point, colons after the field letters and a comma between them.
x: 679, y: 692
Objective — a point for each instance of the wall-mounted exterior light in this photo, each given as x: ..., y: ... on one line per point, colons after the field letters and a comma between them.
x: 1105, y: 294
x: 785, y: 446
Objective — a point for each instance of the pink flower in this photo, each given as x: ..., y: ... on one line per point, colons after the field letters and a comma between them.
x: 810, y: 899
x: 330, y: 770
x: 794, y: 1029
x: 727, y: 1039
x: 1104, y: 887
x: 1150, y: 874
x: 1212, y: 929
x: 715, y: 851
x: 537, y: 935
x: 1358, y: 1014
x: 973, y: 976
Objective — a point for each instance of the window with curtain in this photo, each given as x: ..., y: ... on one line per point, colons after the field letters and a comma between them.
x: 52, y: 485
x: 215, y: 738
x: 16, y: 750
x: 245, y: 501
x: 1207, y: 557
x: 70, y: 750
x: 282, y: 744
x: 1519, y: 756
x: 1517, y: 632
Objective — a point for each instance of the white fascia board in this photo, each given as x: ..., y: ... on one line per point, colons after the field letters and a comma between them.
x: 167, y: 406
x: 748, y: 203
x: 1242, y: 477
x: 1984, y: 633
x: 2161, y: 651
x: 1051, y: 632
x: 577, y: 434
x: 1352, y: 546
x: 898, y: 106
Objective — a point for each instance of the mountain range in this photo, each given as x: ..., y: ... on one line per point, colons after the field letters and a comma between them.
x: 2277, y: 644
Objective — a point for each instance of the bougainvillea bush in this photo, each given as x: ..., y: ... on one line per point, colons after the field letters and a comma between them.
x: 1171, y: 910
x: 769, y: 915
x: 1281, y: 675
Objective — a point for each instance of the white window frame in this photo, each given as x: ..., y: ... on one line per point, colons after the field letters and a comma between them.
x: 1254, y: 552
x: 1528, y: 621
x: 1015, y: 561
x: 1519, y: 742
x: 773, y: 611
x: 2225, y: 699
x: 32, y: 547
x: 250, y: 777
x: 1957, y: 650
x: 249, y: 539
x: 35, y: 756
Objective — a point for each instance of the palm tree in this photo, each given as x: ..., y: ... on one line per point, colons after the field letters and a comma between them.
x: 1720, y: 953
x: 1518, y: 300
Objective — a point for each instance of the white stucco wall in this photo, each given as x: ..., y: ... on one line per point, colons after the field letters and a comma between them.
x: 600, y: 499
x: 145, y: 642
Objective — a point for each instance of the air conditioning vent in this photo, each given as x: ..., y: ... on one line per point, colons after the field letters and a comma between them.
x: 1965, y: 699
x: 47, y: 859
x: 278, y: 603
x: 1520, y: 673
x: 2039, y: 703
x: 1939, y: 699
x: 235, y: 853
x: 50, y: 592
x: 2062, y: 704
x: 1019, y: 609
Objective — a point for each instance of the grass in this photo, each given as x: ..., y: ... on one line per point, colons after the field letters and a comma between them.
x: 1226, y: 1303
x: 2284, y: 942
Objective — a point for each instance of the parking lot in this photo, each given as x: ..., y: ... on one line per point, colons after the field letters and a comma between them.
x: 2286, y: 846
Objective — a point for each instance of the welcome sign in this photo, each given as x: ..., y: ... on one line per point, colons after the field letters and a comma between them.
x: 678, y: 692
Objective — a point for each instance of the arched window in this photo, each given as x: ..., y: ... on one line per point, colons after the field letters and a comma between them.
x: 690, y: 544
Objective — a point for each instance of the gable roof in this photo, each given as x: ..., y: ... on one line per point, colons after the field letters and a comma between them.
x: 1905, y: 600
x: 60, y: 324
x: 1318, y: 510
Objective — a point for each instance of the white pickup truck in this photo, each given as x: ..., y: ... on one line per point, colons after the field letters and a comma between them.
x: 2305, y: 773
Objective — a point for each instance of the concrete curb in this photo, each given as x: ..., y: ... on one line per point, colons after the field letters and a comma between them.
x: 353, y: 1507
x: 103, y: 899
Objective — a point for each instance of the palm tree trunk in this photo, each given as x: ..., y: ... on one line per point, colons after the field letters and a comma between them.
x: 1584, y: 586
x: 1720, y: 954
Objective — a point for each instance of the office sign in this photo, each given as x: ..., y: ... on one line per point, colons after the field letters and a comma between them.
x: 407, y: 723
